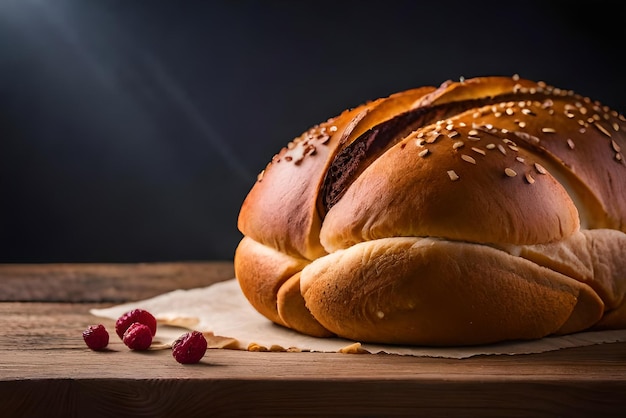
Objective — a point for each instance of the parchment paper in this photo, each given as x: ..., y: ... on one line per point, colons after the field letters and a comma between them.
x: 225, y: 316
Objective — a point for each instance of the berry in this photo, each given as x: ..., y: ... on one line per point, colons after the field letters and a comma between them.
x: 136, y: 315
x: 96, y: 337
x: 189, y: 348
x: 138, y: 337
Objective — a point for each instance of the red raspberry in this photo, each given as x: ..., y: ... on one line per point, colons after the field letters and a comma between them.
x: 138, y: 337
x: 96, y: 337
x: 189, y: 348
x: 136, y: 315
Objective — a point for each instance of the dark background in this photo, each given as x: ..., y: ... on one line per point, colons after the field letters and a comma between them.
x: 132, y: 130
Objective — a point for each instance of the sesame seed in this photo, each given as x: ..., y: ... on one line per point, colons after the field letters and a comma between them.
x: 490, y: 146
x: 380, y: 314
x: 514, y: 148
x: 570, y: 143
x: 618, y: 156
x: 540, y: 169
x: 615, y: 126
x: 520, y: 159
x: 529, y: 178
x: 433, y: 138
x: 333, y: 128
x: 521, y: 124
x: 510, y: 172
x: 501, y: 149
x: 450, y: 127
x: 527, y: 111
x: 509, y: 111
x: 548, y: 130
x: 457, y: 145
x: 478, y: 150
x: 453, y: 176
x: 473, y: 132
x: 310, y: 150
x: 423, y: 152
x: 615, y: 146
x: 453, y: 134
x: 582, y: 110
x: 468, y: 159
x: 602, y: 129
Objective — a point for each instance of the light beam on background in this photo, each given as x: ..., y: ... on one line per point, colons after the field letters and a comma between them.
x: 178, y: 95
x: 104, y: 46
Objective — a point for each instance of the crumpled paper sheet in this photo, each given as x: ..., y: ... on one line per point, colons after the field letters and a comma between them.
x: 229, y: 321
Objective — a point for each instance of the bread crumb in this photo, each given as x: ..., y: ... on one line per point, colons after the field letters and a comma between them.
x: 353, y: 349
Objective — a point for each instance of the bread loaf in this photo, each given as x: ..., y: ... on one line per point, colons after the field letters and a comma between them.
x: 484, y: 210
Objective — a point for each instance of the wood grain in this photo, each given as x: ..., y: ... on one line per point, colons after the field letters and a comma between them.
x: 105, y: 282
x: 46, y: 369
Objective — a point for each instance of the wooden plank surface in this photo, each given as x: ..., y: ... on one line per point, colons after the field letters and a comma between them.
x: 45, y: 366
x: 105, y: 282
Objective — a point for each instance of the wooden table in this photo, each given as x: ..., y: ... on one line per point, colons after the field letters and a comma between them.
x: 46, y: 369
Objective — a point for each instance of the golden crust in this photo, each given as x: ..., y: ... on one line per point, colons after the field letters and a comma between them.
x: 454, y: 187
x: 517, y: 190
x: 280, y: 210
x: 261, y: 272
x: 432, y: 292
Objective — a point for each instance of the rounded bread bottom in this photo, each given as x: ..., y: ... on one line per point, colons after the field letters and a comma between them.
x: 424, y: 291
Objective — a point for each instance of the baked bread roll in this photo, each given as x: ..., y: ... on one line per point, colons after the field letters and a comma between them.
x: 484, y: 210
